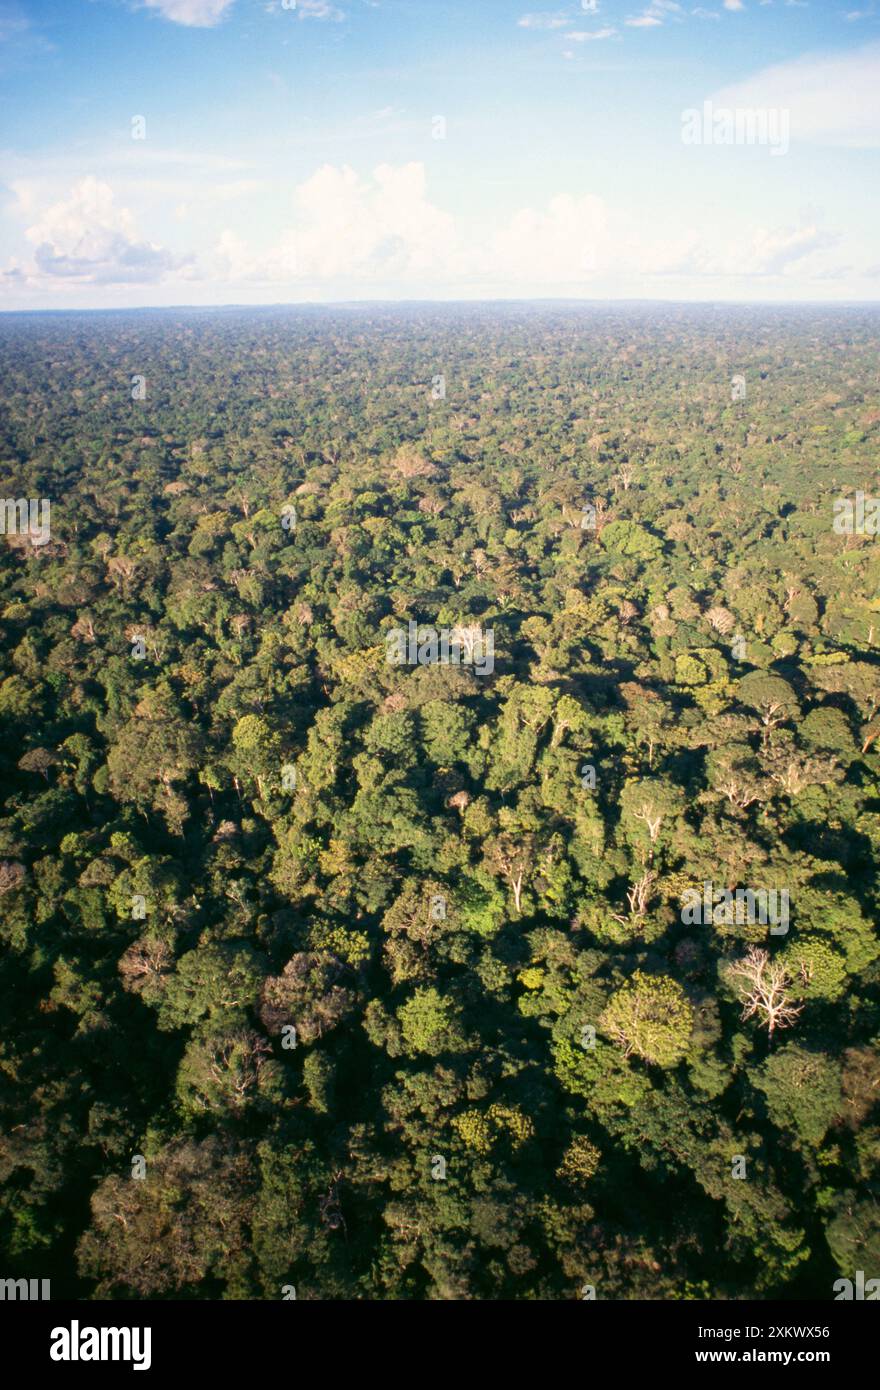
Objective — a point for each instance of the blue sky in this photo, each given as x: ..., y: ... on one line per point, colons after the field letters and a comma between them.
x: 412, y: 149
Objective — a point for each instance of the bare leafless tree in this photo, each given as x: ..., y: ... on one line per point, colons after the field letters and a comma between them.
x: 652, y: 818
x: 764, y: 989
x: 739, y: 792
x: 638, y: 897
x: 625, y: 475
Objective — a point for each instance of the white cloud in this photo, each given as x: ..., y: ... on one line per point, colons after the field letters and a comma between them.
x: 579, y: 243
x: 348, y: 228
x: 232, y: 258
x: 734, y: 5
x: 588, y: 36
x: 204, y: 14
x: 383, y: 229
x: 87, y: 238
x: 351, y: 231
x: 770, y: 252
x: 318, y: 9
x: 832, y: 98
x: 196, y: 14
x: 353, y: 235
x: 655, y: 14
x: 670, y: 255
x: 564, y: 244
x: 543, y: 20
x: 757, y: 254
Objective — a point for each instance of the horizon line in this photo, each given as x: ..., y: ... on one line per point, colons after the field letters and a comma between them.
x: 561, y: 301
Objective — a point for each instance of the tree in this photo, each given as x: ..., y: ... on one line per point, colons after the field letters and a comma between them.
x: 228, y: 1072
x: 185, y: 1221
x: 771, y: 697
x: 854, y: 1235
x: 651, y: 1017
x: 425, y: 1020
x: 764, y: 988
x: 803, y: 1091
x: 212, y: 980
x: 147, y: 761
x: 579, y: 1162
x: 513, y: 857
x: 310, y: 995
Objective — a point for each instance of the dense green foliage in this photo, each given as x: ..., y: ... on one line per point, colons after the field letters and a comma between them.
x: 373, y: 979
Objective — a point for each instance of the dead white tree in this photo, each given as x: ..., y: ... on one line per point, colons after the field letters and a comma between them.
x: 652, y: 818
x: 764, y: 989
x: 739, y: 793
x: 638, y: 897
